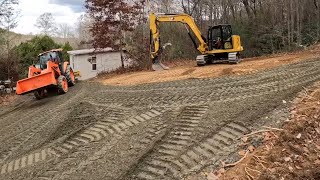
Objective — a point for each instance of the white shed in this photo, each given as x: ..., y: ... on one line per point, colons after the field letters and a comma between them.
x: 90, y: 62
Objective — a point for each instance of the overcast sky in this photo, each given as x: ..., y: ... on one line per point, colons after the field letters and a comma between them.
x: 64, y: 11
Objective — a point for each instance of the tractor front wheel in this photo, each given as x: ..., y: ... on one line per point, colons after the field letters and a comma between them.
x: 70, y: 76
x: 62, y: 85
x: 40, y: 94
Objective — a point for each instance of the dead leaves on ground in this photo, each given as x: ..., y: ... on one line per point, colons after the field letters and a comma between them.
x: 216, y: 175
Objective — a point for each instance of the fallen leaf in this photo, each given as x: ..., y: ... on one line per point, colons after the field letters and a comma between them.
x: 242, y: 153
x: 244, y: 139
x: 287, y: 159
x: 272, y: 170
x: 318, y: 130
x: 222, y: 171
x: 298, y: 167
x: 284, y: 102
x: 306, y: 150
x: 318, y: 147
x: 298, y: 136
x: 317, y: 162
x: 290, y: 168
x: 267, y: 136
x: 251, y: 148
x: 212, y: 176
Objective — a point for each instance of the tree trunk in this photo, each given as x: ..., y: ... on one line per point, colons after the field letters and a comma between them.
x: 292, y: 21
x: 247, y: 7
x: 288, y: 23
x: 121, y: 42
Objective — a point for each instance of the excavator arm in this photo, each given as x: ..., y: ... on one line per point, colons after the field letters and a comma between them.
x: 187, y: 20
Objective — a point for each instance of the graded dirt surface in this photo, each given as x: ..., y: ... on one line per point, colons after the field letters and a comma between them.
x: 168, y: 130
x: 190, y: 70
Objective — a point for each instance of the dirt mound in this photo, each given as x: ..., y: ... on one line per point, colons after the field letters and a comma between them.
x: 190, y: 71
x: 291, y: 154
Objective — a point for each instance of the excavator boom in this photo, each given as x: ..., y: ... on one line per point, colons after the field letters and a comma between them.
x: 187, y: 20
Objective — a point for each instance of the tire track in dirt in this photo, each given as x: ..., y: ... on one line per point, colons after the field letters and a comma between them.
x: 204, y: 153
x: 17, y: 140
x: 96, y: 132
x: 178, y: 138
x: 228, y: 90
x: 110, y: 126
x: 26, y: 161
x: 224, y: 81
x: 194, y: 157
x: 172, y: 153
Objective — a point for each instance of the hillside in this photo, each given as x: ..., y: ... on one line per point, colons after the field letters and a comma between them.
x: 20, y: 38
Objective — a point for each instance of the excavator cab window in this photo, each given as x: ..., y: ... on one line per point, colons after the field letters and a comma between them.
x: 215, y: 38
x: 220, y: 37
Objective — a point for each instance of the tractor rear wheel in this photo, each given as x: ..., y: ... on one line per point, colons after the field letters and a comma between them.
x: 40, y: 94
x: 70, y: 76
x: 62, y: 85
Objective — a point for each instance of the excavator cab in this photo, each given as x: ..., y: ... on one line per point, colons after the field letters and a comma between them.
x: 220, y: 37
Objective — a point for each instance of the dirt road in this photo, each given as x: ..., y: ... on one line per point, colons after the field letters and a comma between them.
x: 156, y: 131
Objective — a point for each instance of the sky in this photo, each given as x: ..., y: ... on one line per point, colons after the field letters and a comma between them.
x: 64, y: 11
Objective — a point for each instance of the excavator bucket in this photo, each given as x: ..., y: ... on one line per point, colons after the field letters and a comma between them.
x: 159, y: 67
x: 36, y: 82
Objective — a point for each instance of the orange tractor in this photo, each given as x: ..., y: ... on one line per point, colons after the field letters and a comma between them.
x: 51, y: 73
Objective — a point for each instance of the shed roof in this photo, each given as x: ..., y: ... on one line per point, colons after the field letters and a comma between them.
x: 90, y: 51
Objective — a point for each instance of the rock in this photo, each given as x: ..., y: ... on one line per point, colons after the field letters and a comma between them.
x: 298, y: 136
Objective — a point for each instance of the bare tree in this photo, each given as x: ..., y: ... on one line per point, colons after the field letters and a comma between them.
x: 46, y: 23
x: 9, y: 20
x: 64, y: 30
x: 82, y: 32
x: 6, y: 6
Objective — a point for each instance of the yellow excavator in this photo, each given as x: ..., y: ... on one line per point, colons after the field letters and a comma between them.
x: 220, y: 46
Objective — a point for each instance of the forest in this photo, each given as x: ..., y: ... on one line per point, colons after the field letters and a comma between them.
x: 265, y: 26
